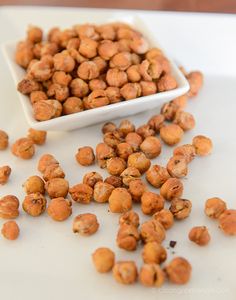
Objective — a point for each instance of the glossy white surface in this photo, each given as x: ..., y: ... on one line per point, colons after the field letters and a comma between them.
x: 47, y: 261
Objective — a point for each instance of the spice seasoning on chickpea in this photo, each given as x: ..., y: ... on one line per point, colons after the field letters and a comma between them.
x: 5, y: 172
x: 129, y: 218
x: 157, y: 175
x: 187, y: 151
x: 154, y: 253
x: 177, y: 166
x: 34, y: 204
x: 23, y: 148
x: 145, y: 130
x: 103, y: 259
x: 199, y: 235
x: 120, y: 200
x: 9, y: 207
x: 152, y: 231
x: 125, y: 272
x: 180, y: 208
x: 102, y: 191
x: 169, y: 110
x: 156, y: 122
x: 3, y: 140
x: 130, y: 174
x: 151, y: 147
x: 37, y: 136
x: 53, y: 171
x: 172, y: 188
x: 10, y: 230
x: 57, y: 187
x: 34, y: 184
x: 227, y: 222
x: 165, y: 217
x: 85, y: 224
x: 116, y: 165
x: 171, y: 134
x: 214, y: 207
x: 85, y: 156
x: 59, y: 209
x: 126, y: 127
x: 92, y: 178
x: 127, y: 237
x: 140, y: 161
x: 136, y: 188
x: 134, y: 140
x: 81, y: 193
x: 103, y: 153
x: 115, y: 181
x: 178, y: 270
x: 202, y: 144
x: 151, y: 203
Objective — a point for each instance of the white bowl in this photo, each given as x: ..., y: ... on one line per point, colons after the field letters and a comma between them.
x: 105, y: 113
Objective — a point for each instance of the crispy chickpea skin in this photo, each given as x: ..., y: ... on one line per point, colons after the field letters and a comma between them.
x: 130, y: 174
x: 165, y: 217
x: 120, y: 200
x: 116, y: 77
x: 103, y: 259
x: 126, y: 127
x: 103, y: 153
x: 46, y: 109
x: 10, y: 230
x: 79, y: 88
x: 185, y: 120
x: 63, y: 62
x: 187, y: 151
x: 151, y: 203
x: 151, y: 147
x: 172, y: 188
x: 107, y: 49
x: 157, y: 175
x: 152, y: 231
x: 45, y: 161
x: 9, y: 207
x: 81, y: 193
x: 97, y: 98
x: 202, y: 144
x: 72, y: 105
x: 53, y: 171
x: 137, y: 188
x: 125, y: 272
x: 57, y: 187
x: 154, y: 253
x: 195, y: 80
x: 5, y: 172
x: 148, y: 88
x: 180, y: 208
x: 166, y: 83
x: 37, y: 136
x: 88, y: 70
x: 134, y: 140
x: 178, y: 270
x: 199, y: 235
x: 59, y: 209
x: 171, y: 134
x: 102, y: 191
x: 139, y: 45
x: 34, y: 184
x: 41, y: 70
x: 177, y: 166
x: 85, y: 156
x: 62, y: 78
x: 23, y: 148
x: 214, y: 207
x: 129, y: 218
x: 113, y: 138
x: 124, y: 150
x: 97, y: 84
x: 156, y: 122
x: 127, y: 237
x: 145, y: 130
x: 116, y: 165
x: 227, y: 222
x: 169, y: 110
x: 108, y: 127
x: 130, y: 91
x: 34, y: 204
x: 3, y: 140
x: 107, y: 32
x: 85, y: 224
x: 59, y: 92
x: 27, y: 86
x: 139, y: 161
x: 113, y: 94
x: 92, y: 178
x: 24, y: 53
x: 115, y: 181
x: 151, y: 275
x: 88, y: 47
x: 101, y: 64
x: 133, y: 73
x: 121, y: 60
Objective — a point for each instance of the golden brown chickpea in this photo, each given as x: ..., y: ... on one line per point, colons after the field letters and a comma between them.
x: 150, y: 70
x: 37, y: 136
x: 120, y: 200
x: 151, y: 275
x: 151, y: 203
x: 130, y: 174
x: 178, y: 270
x: 72, y: 105
x: 92, y: 178
x: 135, y: 59
x: 116, y: 165
x: 107, y: 49
x: 125, y: 272
x: 23, y: 148
x: 137, y: 188
x: 199, y: 235
x: 121, y: 60
x: 85, y: 156
x: 129, y: 218
x: 202, y: 144
x: 152, y: 231
x: 45, y: 161
x: 165, y: 217
x: 5, y: 172
x: 59, y: 92
x: 126, y: 127
x: 171, y: 134
x: 34, y: 34
x: 139, y: 161
x: 63, y: 62
x: 101, y: 64
x: 114, y: 181
x: 81, y: 193
x: 57, y: 187
x: 227, y: 221
x: 177, y: 166
x: 65, y: 36
x: 73, y: 43
x: 185, y: 120
x: 34, y: 184
x: 79, y: 88
x: 145, y: 131
x: 88, y: 70
x: 157, y: 175
x: 3, y: 140
x: 108, y: 127
x: 172, y: 188
x: 59, y: 209
x: 154, y: 253
x: 169, y: 110
x: 214, y: 207
x: 107, y: 32
x: 10, y: 230
x: 103, y: 259
x: 156, y: 122
x: 102, y: 191
x: 48, y: 49
x: 9, y: 207
x: 41, y: 70
x: 153, y: 53
x: 44, y: 110
x: 127, y: 237
x: 97, y: 84
x: 88, y: 47
x: 103, y: 153
x: 113, y: 138
x: 86, y: 31
x: 62, y: 78
x: 85, y: 224
x: 27, y: 86
x: 57, y: 107
x: 187, y: 151
x: 195, y: 80
x: 180, y: 208
x: 126, y: 33
x: 131, y: 91
x: 148, y: 88
x: 139, y: 45
x: 116, y: 77
x: 36, y: 96
x: 53, y: 171
x: 181, y: 101
x: 97, y: 98
x: 54, y: 35
x: 24, y: 53
x: 166, y: 83
x: 151, y: 147
x: 133, y: 73
x: 134, y: 140
x: 113, y: 94
x: 34, y: 204
x: 124, y: 150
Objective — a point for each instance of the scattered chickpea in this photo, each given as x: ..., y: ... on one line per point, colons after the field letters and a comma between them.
x: 34, y: 184
x: 120, y: 200
x: 53, y: 171
x: 103, y: 259
x: 165, y: 217
x: 85, y: 156
x: 5, y: 172
x: 72, y: 105
x: 151, y: 203
x: 130, y: 218
x: 126, y: 127
x: 108, y: 127
x: 113, y: 138
x: 85, y: 224
x: 151, y: 147
x: 172, y: 188
x: 156, y: 122
x: 185, y: 120
x: 124, y: 150
x: 180, y: 208
x: 3, y: 140
x: 151, y: 275
x: 169, y: 110
x: 171, y: 134
x: 116, y: 165
x: 199, y: 235
x: 102, y: 191
x: 145, y: 131
x: 130, y: 174
x: 139, y: 161
x: 134, y: 140
x: 187, y: 151
x: 181, y: 101
x: 137, y: 188
x: 195, y: 80
x: 152, y: 231
x: 177, y: 166
x: 202, y: 144
x: 154, y: 253
x: 127, y: 237
x: 103, y: 153
x: 115, y: 181
x: 45, y: 161
x: 37, y: 136
x: 214, y: 207
x: 57, y: 187
x: 9, y: 207
x: 92, y: 178
x: 34, y: 204
x: 81, y: 193
x: 125, y: 272
x: 23, y: 148
x: 10, y: 230
x: 59, y: 209
x: 227, y: 222
x: 157, y: 175
x: 178, y: 270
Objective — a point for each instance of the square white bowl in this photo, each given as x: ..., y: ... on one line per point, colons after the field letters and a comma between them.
x: 105, y: 113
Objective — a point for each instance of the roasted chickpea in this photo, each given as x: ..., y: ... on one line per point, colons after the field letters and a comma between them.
x: 214, y: 207
x: 181, y: 101
x: 148, y: 88
x: 124, y: 150
x: 127, y: 237
x: 85, y: 156
x: 44, y: 110
x: 3, y: 140
x: 199, y: 235
x: 97, y: 84
x: 227, y: 222
x: 151, y: 147
x: 5, y: 172
x: 156, y: 122
x: 169, y: 110
x: 53, y: 171
x: 36, y: 96
x: 34, y: 184
x: 187, y: 151
x: 79, y: 88
x: 34, y: 204
x: 172, y: 188
x: 37, y: 136
x: 120, y: 200
x: 185, y: 120
x: 126, y: 127
x: 54, y: 35
x: 130, y: 174
x: 180, y: 208
x: 27, y: 86
x: 202, y: 144
x: 154, y: 253
x: 116, y: 77
x: 101, y: 64
x: 59, y: 92
x: 137, y: 189
x: 45, y: 161
x: 171, y: 134
x: 85, y: 224
x: 61, y: 78
x: 139, y: 45
x: 102, y: 191
x: 145, y: 130
x: 63, y: 62
x: 86, y: 31
x: 24, y: 53
x: 72, y: 105
x: 57, y: 187
x: 59, y: 209
x: 92, y: 178
x: 115, y: 181
x: 107, y: 32
x: 179, y: 270
x: 103, y: 259
x: 165, y: 217
x: 88, y: 70
x: 108, y: 127
x: 125, y: 272
x: 131, y: 91
x: 107, y: 49
x: 166, y: 83
x: 139, y: 161
x: 81, y: 193
x: 88, y: 47
x: 23, y: 148
x: 57, y: 106
x: 157, y: 175
x: 150, y: 70
x: 34, y: 34
x: 97, y: 98
x: 177, y: 166
x: 41, y: 70
x: 116, y: 165
x: 134, y: 140
x: 133, y: 73
x: 129, y: 218
x: 151, y: 203
x: 10, y: 230
x: 152, y: 231
x: 103, y: 153
x: 151, y: 275
x: 195, y: 80
x: 113, y: 138
x: 9, y: 207
x: 113, y: 94
x: 153, y: 53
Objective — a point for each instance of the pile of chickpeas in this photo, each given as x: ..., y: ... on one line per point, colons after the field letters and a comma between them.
x: 126, y: 153
x: 89, y: 66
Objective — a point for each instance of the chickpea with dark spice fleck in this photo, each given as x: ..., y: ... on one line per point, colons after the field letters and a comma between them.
x: 139, y: 161
x: 34, y: 204
x: 96, y: 99
x: 108, y: 127
x: 180, y: 208
x: 169, y: 110
x: 5, y: 172
x: 151, y: 147
x: 157, y: 175
x: 151, y: 275
x: 130, y: 174
x: 127, y: 237
x: 57, y: 187
x: 172, y: 188
x: 214, y: 207
x: 103, y: 259
x: 116, y: 165
x: 113, y: 138
x: 23, y: 148
x: 79, y: 88
x: 199, y: 235
x: 125, y: 272
x: 92, y: 178
x: 113, y: 94
x: 59, y: 209
x: 129, y: 218
x: 85, y: 156
x: 27, y: 86
x: 137, y: 188
x: 151, y: 203
x: 171, y: 134
x: 165, y: 217
x: 120, y: 200
x: 85, y: 224
x: 177, y: 166
x: 178, y: 270
x: 10, y: 230
x: 81, y: 193
x: 152, y: 231
x: 154, y: 252
x: 102, y: 192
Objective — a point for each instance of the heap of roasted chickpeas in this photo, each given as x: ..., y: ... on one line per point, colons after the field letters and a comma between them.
x: 89, y: 66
